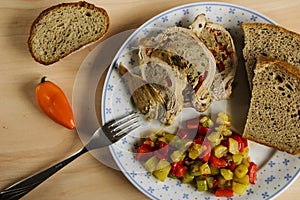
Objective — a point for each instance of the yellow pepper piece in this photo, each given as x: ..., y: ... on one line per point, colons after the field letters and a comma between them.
x: 237, y: 158
x: 233, y: 146
x: 239, y: 188
x: 220, y: 151
x: 244, y: 180
x: 227, y: 174
x: 241, y: 171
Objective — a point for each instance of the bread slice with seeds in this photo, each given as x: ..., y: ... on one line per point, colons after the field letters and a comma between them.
x: 274, y: 115
x: 64, y: 28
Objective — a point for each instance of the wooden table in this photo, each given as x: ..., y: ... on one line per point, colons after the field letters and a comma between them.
x: 29, y: 141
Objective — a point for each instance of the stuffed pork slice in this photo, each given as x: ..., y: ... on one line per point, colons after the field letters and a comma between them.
x: 155, y: 71
x: 219, y: 41
x: 183, y: 51
x: 154, y: 101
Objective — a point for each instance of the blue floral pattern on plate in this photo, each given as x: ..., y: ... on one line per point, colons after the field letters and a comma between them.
x: 277, y: 170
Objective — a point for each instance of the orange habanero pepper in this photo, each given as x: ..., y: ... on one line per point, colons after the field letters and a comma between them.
x: 54, y: 103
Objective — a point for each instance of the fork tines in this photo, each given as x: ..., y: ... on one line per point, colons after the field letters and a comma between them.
x: 125, y: 125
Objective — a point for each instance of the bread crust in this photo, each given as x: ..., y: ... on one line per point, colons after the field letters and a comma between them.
x: 294, y: 71
x: 45, y: 12
x: 261, y: 25
x: 272, y: 146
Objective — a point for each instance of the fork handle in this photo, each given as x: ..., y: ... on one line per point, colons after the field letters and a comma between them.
x: 21, y: 188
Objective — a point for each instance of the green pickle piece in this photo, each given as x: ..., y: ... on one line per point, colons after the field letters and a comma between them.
x: 198, y: 169
x: 210, y: 181
x: 188, y: 178
x: 195, y: 168
x: 177, y: 143
x: 222, y: 182
x: 202, y: 185
x: 151, y: 163
x: 169, y: 137
x: 195, y: 151
x: 162, y: 139
x: 214, y: 171
x: 178, y: 155
x: 162, y: 170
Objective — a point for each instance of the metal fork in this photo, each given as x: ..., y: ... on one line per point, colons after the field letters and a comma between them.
x: 109, y: 133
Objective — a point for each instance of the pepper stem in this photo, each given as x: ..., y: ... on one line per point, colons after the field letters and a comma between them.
x: 43, y: 79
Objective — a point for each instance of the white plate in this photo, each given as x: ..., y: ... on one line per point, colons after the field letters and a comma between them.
x: 277, y: 170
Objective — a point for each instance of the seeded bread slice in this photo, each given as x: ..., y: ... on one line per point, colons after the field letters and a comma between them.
x: 274, y: 114
x: 269, y: 40
x: 62, y: 29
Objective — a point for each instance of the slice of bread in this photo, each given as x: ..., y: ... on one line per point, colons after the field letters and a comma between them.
x: 269, y: 40
x: 62, y: 29
x: 274, y: 114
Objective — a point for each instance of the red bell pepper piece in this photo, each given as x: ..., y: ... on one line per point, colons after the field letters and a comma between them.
x: 182, y: 133
x: 245, y: 142
x: 224, y: 193
x: 218, y: 162
x: 252, y: 172
x: 216, y: 183
x: 231, y: 166
x: 192, y: 123
x: 198, y: 140
x: 144, y: 152
x: 239, y: 139
x: 205, y: 157
x: 202, y: 130
x: 225, y: 143
x: 162, y: 150
x: 178, y: 169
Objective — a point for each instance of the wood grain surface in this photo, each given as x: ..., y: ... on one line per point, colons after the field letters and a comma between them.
x: 29, y: 141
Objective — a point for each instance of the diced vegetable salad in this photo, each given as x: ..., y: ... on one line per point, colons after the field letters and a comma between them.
x: 203, y: 153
